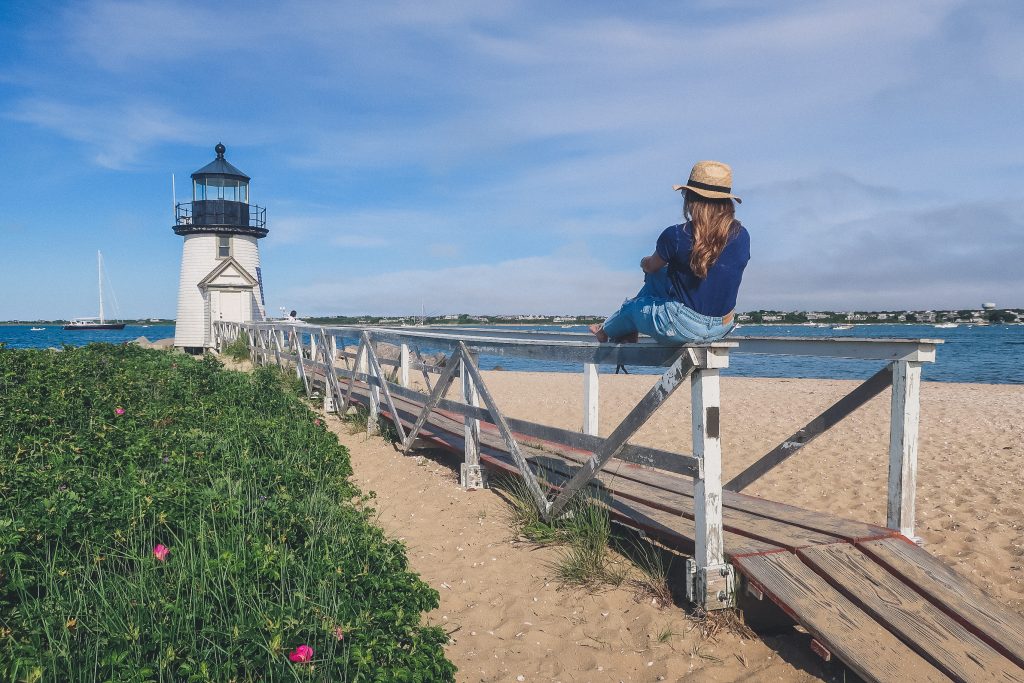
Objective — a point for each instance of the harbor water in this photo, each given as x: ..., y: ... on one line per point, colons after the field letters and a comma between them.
x: 991, y: 354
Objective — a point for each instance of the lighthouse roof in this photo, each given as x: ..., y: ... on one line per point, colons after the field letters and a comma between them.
x: 220, y: 167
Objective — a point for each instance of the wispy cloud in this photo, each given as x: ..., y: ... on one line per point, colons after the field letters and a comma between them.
x: 118, y: 136
x: 452, y: 144
x: 542, y: 285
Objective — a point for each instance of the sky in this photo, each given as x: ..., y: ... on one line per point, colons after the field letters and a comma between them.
x: 515, y: 157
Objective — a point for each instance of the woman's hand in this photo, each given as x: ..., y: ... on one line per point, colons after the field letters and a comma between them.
x: 652, y: 263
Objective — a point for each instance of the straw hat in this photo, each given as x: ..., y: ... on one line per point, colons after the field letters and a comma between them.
x: 711, y: 179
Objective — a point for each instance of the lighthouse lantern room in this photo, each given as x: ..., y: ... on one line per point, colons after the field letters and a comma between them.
x: 220, y: 260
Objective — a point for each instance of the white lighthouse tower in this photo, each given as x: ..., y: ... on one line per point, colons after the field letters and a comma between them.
x: 220, y: 261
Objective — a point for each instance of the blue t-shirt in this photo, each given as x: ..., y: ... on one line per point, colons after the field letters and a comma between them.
x: 715, y: 295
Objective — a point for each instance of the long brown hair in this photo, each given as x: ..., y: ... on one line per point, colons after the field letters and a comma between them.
x: 712, y: 221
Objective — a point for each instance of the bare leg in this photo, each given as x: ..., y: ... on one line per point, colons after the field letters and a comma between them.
x: 598, y: 331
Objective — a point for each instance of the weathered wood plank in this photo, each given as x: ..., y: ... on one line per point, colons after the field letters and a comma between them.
x: 403, y: 364
x: 850, y: 634
x: 903, y: 426
x: 770, y: 532
x: 591, y: 399
x: 923, y: 627
x: 471, y: 433
x: 994, y: 623
x: 807, y: 527
x: 705, y: 399
x: 675, y: 529
x: 873, y: 386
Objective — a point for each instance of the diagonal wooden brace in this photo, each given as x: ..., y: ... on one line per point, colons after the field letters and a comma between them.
x: 499, y: 420
x: 426, y: 375
x: 331, y: 379
x: 435, y: 395
x: 351, y: 379
x: 837, y: 412
x: 683, y: 367
x: 379, y: 373
x: 300, y: 365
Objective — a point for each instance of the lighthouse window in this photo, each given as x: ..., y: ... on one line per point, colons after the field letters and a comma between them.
x: 223, y: 247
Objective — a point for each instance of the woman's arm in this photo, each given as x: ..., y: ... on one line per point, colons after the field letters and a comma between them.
x: 652, y: 263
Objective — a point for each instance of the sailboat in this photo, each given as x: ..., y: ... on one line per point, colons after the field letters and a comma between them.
x: 95, y: 323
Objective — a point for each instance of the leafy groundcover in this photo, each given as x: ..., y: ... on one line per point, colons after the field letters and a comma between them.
x: 164, y: 519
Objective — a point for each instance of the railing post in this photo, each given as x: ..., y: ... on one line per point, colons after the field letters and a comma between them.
x: 471, y: 476
x: 591, y: 399
x: 711, y: 583
x: 403, y: 357
x: 363, y: 367
x: 903, y: 428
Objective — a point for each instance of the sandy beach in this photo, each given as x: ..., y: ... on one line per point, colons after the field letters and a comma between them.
x: 509, y: 618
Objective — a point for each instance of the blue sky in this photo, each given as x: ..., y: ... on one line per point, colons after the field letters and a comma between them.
x: 515, y: 156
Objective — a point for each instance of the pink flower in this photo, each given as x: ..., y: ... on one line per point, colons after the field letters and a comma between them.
x: 161, y: 552
x: 301, y: 654
x: 339, y: 633
x: 119, y: 411
x: 317, y: 422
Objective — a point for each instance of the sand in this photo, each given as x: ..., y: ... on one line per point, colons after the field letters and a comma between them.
x: 510, y: 618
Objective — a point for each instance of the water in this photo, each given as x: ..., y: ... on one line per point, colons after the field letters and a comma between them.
x: 22, y: 337
x: 993, y: 354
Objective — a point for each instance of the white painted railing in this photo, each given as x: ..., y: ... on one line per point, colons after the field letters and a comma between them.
x: 316, y: 349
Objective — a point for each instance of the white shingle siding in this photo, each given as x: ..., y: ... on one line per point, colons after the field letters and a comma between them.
x: 198, y: 259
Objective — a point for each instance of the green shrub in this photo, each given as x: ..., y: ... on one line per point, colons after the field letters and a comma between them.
x: 108, y: 452
x: 238, y: 349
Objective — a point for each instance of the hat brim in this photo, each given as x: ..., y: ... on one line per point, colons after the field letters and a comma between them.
x: 710, y: 194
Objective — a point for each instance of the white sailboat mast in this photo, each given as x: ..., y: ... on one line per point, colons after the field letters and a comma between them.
x: 99, y: 268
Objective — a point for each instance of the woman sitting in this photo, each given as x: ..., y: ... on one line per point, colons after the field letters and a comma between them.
x: 694, y: 274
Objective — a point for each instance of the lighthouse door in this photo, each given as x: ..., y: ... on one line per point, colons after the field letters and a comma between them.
x: 231, y: 306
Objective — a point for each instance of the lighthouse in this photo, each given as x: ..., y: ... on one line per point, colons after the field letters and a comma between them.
x: 220, y: 260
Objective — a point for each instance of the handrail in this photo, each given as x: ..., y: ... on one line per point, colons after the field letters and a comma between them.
x: 863, y: 348
x: 697, y: 364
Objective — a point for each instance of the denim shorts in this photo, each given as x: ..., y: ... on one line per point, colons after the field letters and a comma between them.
x: 668, y: 321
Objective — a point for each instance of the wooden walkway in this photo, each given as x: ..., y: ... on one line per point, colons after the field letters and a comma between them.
x: 867, y: 595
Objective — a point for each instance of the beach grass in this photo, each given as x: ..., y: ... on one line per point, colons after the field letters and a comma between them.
x: 162, y: 519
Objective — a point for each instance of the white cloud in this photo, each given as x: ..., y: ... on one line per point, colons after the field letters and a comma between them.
x: 541, y: 285
x: 118, y: 135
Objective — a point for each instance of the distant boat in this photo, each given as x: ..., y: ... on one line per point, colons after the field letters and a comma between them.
x: 842, y: 327
x: 36, y: 329
x: 946, y: 326
x: 95, y: 323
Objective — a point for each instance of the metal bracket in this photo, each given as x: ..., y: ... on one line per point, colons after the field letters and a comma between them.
x: 471, y: 477
x: 712, y: 588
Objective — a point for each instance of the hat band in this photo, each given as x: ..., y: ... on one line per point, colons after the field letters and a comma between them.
x: 710, y: 188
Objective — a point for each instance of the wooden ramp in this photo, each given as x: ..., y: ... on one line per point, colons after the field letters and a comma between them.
x: 867, y: 595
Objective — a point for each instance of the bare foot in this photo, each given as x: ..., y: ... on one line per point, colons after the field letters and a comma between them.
x: 598, y: 331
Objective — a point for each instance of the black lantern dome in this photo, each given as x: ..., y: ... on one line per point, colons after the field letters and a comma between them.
x: 220, y: 202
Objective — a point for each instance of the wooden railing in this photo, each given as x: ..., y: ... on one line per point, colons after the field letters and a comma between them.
x: 313, y: 349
